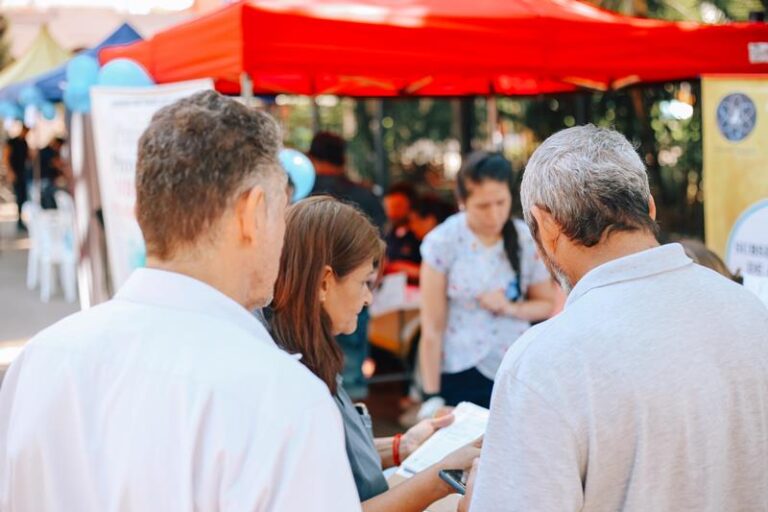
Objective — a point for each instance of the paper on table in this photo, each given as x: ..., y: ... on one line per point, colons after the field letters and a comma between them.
x: 390, y: 296
x: 469, y: 424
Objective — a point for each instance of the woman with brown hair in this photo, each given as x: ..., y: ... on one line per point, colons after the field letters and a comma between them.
x: 328, y: 263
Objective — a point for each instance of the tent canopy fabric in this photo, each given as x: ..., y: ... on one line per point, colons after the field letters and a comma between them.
x: 439, y: 47
x: 43, y: 55
x: 50, y: 82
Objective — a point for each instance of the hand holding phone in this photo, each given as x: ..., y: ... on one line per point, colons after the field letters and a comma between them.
x: 456, y: 478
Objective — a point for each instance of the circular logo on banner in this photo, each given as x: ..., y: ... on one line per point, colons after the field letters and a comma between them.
x: 736, y: 116
x: 747, y: 250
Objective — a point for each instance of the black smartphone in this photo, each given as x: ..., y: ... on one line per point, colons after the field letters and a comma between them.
x: 455, y: 478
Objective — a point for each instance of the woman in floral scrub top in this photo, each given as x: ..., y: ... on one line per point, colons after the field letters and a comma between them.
x: 482, y: 284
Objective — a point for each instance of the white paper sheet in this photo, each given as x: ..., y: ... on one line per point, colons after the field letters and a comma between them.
x: 469, y: 424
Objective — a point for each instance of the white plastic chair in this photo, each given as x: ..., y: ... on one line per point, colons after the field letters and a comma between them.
x: 56, y: 237
x: 31, y: 212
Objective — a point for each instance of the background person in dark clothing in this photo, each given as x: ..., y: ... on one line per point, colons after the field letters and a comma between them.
x: 404, y: 251
x: 52, y: 172
x: 401, y: 244
x: 328, y: 155
x: 398, y: 203
x: 51, y: 164
x: 17, y: 163
x: 429, y: 212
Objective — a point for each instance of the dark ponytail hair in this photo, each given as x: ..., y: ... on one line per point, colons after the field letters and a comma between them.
x: 480, y: 166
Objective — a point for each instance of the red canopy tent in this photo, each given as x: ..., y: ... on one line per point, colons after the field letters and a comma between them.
x: 440, y: 47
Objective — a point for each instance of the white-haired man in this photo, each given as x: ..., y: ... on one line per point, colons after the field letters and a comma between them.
x: 650, y: 391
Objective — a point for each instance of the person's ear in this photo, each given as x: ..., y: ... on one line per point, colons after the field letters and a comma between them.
x: 652, y: 208
x: 549, y: 230
x: 327, y: 280
x: 251, y: 214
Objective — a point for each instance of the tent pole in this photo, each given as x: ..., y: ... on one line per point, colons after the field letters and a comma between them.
x: 466, y: 123
x: 314, y: 111
x: 246, y: 88
x: 493, y: 124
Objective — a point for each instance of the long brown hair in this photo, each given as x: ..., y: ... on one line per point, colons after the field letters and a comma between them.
x: 319, y: 231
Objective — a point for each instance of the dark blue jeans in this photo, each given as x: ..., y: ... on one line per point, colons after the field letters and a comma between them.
x: 467, y: 386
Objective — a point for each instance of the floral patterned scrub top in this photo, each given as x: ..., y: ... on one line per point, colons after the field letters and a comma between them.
x: 475, y: 337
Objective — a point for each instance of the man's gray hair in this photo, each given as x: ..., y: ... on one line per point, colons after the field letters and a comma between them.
x: 591, y: 180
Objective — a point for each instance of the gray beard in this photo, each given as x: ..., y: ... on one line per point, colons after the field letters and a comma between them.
x: 563, y: 281
x: 555, y: 270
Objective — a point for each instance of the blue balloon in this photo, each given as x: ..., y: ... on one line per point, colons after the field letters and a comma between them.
x: 77, y: 97
x: 83, y: 69
x: 300, y: 170
x: 10, y: 110
x: 48, y: 110
x: 31, y: 95
x: 124, y: 73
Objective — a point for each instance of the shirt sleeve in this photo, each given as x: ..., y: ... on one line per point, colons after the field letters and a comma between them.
x: 310, y: 469
x: 439, y: 248
x: 530, y: 456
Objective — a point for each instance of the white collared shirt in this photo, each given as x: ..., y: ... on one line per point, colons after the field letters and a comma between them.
x: 169, y: 397
x: 648, y: 392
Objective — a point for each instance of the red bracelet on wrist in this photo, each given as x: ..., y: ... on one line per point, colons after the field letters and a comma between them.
x: 396, y: 449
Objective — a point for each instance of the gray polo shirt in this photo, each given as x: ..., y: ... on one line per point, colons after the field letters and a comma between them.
x: 648, y: 393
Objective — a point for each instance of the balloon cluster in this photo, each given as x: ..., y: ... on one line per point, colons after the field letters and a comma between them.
x: 31, y: 102
x: 83, y: 72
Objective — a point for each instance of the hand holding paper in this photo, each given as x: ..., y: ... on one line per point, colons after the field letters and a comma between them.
x: 469, y: 425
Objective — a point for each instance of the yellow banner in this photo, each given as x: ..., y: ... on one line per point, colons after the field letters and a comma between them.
x: 735, y: 124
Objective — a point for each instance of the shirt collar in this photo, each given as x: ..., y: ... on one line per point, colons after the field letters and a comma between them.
x: 635, y: 266
x: 173, y: 290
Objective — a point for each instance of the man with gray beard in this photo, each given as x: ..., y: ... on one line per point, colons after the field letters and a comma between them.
x: 650, y: 390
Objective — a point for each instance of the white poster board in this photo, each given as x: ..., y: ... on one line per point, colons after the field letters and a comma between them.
x: 747, y: 249
x: 119, y: 117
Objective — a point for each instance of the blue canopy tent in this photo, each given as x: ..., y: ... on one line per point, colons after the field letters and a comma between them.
x: 50, y: 82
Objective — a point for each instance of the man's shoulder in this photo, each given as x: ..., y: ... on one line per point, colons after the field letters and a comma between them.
x: 204, y: 350
x: 556, y: 346
x: 716, y: 299
x: 79, y: 325
x: 535, y: 343
x: 638, y: 313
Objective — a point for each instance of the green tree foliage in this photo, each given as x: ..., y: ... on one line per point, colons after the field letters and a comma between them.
x: 668, y: 142
x: 688, y: 10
